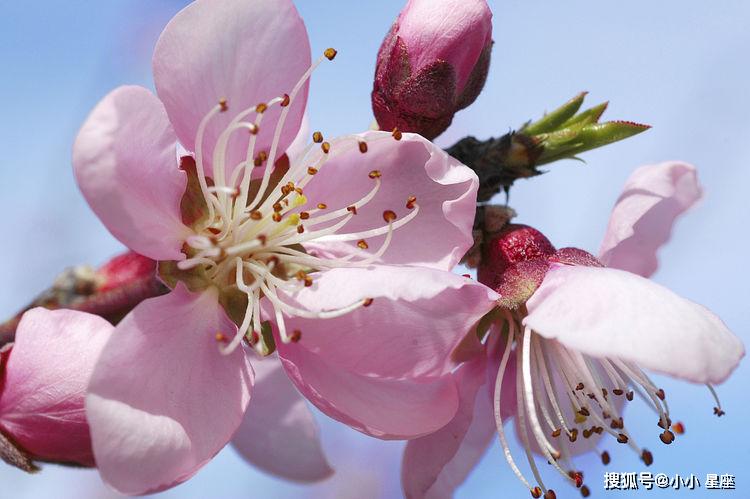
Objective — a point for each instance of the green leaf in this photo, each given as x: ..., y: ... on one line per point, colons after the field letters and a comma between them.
x: 552, y: 120
x: 590, y: 115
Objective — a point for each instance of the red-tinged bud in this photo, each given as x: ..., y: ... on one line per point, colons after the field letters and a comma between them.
x: 432, y: 63
x: 514, y: 263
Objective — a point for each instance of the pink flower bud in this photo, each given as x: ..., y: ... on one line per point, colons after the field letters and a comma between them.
x: 432, y: 63
x: 43, y: 380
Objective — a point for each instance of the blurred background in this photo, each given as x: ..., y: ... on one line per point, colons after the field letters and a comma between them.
x: 680, y: 66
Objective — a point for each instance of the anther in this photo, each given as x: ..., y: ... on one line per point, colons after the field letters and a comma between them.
x: 660, y: 394
x: 367, y: 302
x: 223, y: 106
x: 718, y: 412
x: 605, y: 458
x: 330, y: 53
x: 253, y: 129
x: 536, y: 492
x: 317, y: 137
x: 585, y: 492
x: 301, y: 275
x: 573, y: 435
x: 678, y: 428
x: 550, y: 494
x: 374, y: 174
x: 584, y: 412
x: 352, y: 209
x: 660, y: 424
x: 362, y: 146
x: 308, y: 281
x: 629, y: 395
x: 276, y: 217
x: 587, y: 433
x: 295, y: 336
x: 411, y: 202
x: 389, y: 216
x: 277, y: 207
x: 647, y: 457
x: 604, y: 393
x: 577, y: 478
x: 617, y: 391
x: 397, y: 134
x: 556, y: 433
x: 300, y: 229
x: 322, y: 206
x: 263, y: 239
x: 256, y: 215
x: 362, y: 244
x: 622, y: 438
x: 285, y: 101
x: 667, y: 437
x: 220, y: 337
x: 326, y: 147
x: 312, y: 170
x: 579, y: 386
x: 304, y: 215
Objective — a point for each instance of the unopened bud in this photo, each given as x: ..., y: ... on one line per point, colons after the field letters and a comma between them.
x: 432, y: 63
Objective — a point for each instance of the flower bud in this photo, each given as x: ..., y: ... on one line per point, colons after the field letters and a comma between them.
x: 43, y: 380
x: 514, y: 262
x: 432, y: 63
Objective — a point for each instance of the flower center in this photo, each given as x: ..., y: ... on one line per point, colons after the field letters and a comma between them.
x: 254, y: 235
x: 563, y: 395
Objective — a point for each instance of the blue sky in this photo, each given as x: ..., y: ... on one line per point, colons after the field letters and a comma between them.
x: 680, y: 66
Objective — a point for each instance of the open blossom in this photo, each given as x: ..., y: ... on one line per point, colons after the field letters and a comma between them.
x: 570, y: 340
x: 432, y: 63
x: 43, y: 380
x: 331, y: 256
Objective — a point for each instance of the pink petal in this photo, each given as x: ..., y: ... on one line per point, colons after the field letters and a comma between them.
x: 641, y: 222
x: 386, y: 408
x: 50, y: 364
x: 279, y: 434
x: 163, y: 400
x: 247, y: 52
x: 612, y: 313
x: 445, y: 189
x: 417, y: 319
x: 435, y: 465
x: 125, y: 164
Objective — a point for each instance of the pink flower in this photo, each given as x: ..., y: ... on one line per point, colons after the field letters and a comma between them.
x: 432, y: 63
x: 572, y: 337
x: 43, y: 380
x: 357, y: 230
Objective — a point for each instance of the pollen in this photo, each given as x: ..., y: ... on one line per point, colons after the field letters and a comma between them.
x: 311, y: 170
x: 362, y: 146
x: 678, y: 428
x: 285, y: 100
x: 322, y: 206
x: 295, y: 336
x: 325, y: 147
x: 396, y: 133
x: 362, y: 244
x: 352, y: 209
x: 303, y: 215
x: 256, y: 215
x: 647, y: 457
x: 374, y: 174
x: 317, y: 137
x: 536, y: 492
x: 261, y: 108
x: 367, y: 302
x: 300, y: 229
x: 330, y: 53
x: 411, y: 201
x: 276, y: 217
x: 223, y: 106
